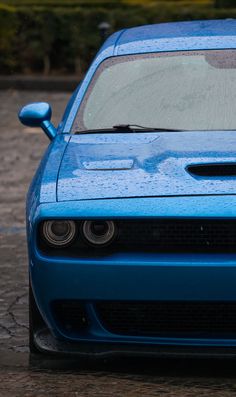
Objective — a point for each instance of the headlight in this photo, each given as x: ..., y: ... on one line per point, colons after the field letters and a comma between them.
x: 59, y: 233
x: 99, y: 233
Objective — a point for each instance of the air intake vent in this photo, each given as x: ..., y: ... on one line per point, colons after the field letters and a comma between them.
x: 70, y: 315
x: 169, y: 319
x: 213, y: 170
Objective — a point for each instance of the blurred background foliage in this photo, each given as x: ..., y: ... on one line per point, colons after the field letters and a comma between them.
x: 62, y: 36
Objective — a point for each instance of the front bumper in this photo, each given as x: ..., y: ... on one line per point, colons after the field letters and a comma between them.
x: 131, y: 277
x: 208, y: 278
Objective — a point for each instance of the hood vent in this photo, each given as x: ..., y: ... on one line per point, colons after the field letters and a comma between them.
x: 213, y: 170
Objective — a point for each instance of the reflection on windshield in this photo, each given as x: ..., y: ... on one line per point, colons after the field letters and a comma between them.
x: 221, y: 59
x: 183, y: 90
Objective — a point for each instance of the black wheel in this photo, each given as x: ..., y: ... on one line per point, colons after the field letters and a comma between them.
x: 35, y: 322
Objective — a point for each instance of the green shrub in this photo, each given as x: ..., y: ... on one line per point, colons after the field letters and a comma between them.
x: 43, y: 39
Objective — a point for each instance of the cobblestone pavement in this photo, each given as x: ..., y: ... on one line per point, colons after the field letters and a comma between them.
x: 20, y: 152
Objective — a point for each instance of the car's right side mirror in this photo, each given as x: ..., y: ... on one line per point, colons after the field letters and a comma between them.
x: 38, y: 115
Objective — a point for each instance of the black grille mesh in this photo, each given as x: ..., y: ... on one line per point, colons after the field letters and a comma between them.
x: 169, y: 319
x: 189, y: 234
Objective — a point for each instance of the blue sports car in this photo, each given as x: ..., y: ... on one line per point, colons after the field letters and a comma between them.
x: 131, y: 214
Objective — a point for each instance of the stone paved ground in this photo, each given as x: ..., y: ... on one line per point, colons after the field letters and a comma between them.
x: 20, y: 152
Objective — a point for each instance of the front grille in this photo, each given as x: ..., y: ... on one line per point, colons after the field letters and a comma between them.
x: 179, y: 235
x: 169, y: 319
x: 158, y: 235
x: 70, y: 315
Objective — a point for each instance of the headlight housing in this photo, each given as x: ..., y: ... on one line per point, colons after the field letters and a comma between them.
x: 59, y: 233
x: 99, y: 233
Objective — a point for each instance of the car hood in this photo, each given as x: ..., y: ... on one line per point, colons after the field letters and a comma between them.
x: 99, y: 166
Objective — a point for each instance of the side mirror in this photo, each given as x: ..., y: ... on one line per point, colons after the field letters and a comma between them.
x: 38, y: 115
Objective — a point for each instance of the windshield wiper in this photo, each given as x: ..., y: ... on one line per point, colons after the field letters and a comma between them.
x: 127, y: 128
x: 137, y: 128
x: 97, y: 130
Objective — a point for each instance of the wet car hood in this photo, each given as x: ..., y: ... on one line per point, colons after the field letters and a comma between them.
x: 97, y: 166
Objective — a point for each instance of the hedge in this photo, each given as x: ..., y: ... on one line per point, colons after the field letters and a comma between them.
x: 41, y: 39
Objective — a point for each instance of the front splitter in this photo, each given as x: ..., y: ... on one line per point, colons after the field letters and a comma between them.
x: 47, y: 344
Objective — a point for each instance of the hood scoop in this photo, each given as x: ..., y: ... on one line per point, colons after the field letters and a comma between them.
x: 108, y: 165
x: 213, y: 170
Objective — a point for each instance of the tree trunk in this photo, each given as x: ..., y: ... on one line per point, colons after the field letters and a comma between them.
x: 78, y: 66
x: 46, y: 64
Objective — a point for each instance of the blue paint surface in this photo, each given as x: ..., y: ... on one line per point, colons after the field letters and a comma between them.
x: 133, y: 176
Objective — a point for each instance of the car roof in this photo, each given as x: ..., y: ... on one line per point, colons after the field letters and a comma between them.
x: 174, y: 36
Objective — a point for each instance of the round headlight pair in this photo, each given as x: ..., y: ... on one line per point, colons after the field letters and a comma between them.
x: 61, y: 233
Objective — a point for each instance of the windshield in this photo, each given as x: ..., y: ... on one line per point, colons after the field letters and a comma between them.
x: 194, y: 90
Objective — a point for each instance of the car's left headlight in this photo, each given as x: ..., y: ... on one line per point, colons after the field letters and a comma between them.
x: 59, y: 233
